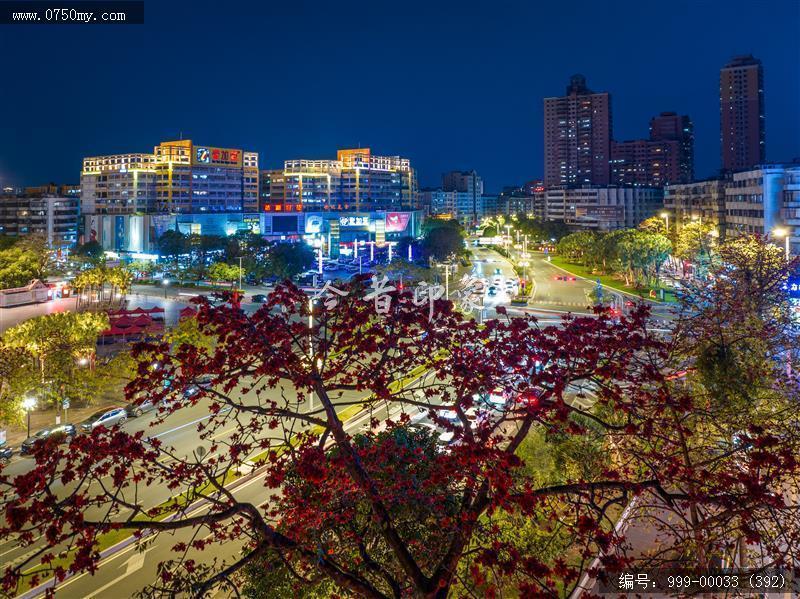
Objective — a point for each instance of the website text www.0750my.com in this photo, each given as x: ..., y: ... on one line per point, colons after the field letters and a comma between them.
x: 67, y: 15
x: 71, y: 12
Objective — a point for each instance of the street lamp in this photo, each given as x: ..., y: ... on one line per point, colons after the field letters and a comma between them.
x: 310, y: 347
x: 28, y: 404
x: 508, y: 235
x: 783, y: 232
x: 665, y: 216
x: 446, y: 280
x: 240, y: 272
x: 166, y: 284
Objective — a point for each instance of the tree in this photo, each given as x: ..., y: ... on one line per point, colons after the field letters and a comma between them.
x: 173, y: 244
x: 142, y: 268
x: 285, y: 260
x: 93, y: 281
x: 580, y: 247
x: 338, y: 509
x: 443, y: 242
x: 55, y: 344
x: 654, y: 224
x: 220, y: 271
x: 696, y: 242
x: 27, y: 259
x: 39, y: 254
x: 90, y: 252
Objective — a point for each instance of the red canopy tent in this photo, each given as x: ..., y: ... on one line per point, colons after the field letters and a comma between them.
x: 187, y: 312
x: 122, y: 322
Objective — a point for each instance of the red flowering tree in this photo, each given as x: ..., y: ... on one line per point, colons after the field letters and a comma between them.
x: 314, y: 406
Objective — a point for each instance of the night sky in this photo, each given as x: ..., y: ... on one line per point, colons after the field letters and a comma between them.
x: 450, y: 85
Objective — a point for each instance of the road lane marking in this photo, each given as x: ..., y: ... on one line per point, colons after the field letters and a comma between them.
x: 134, y: 563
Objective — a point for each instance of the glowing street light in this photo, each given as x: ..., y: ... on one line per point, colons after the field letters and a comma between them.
x: 665, y: 216
x: 165, y: 282
x: 783, y: 232
x: 28, y: 404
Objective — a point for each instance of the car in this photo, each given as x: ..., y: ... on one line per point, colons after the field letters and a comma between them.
x: 62, y: 432
x: 259, y: 298
x: 5, y: 453
x: 192, y: 390
x: 494, y: 400
x: 497, y: 280
x: 497, y: 271
x: 442, y: 437
x: 106, y: 418
x: 492, y: 291
x: 134, y: 409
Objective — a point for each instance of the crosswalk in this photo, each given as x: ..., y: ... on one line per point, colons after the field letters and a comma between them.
x: 557, y: 303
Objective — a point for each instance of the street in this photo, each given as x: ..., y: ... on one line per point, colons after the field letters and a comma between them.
x: 115, y: 576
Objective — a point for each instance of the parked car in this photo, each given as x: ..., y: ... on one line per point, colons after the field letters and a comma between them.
x: 5, y: 453
x: 62, y: 432
x: 260, y: 298
x: 492, y: 291
x: 134, y: 410
x: 106, y: 418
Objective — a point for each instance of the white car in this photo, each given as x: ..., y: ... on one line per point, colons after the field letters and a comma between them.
x: 497, y: 280
x: 444, y: 437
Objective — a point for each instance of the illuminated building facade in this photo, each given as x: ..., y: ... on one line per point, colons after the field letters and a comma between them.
x: 741, y: 111
x: 49, y: 210
x: 356, y: 181
x: 602, y: 208
x: 664, y: 159
x: 577, y: 136
x: 178, y: 177
x: 469, y: 186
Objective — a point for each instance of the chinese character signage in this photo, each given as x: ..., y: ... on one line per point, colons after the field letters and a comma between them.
x: 217, y: 156
x: 354, y: 221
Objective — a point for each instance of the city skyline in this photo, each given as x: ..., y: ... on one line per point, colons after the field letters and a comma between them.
x: 492, y: 123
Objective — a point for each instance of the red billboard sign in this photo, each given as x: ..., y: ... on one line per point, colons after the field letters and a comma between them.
x: 397, y: 221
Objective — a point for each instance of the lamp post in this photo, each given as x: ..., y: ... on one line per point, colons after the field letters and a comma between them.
x: 446, y: 280
x: 783, y: 232
x: 310, y: 347
x: 166, y: 284
x: 665, y: 216
x: 240, y: 272
x: 508, y: 235
x: 28, y: 404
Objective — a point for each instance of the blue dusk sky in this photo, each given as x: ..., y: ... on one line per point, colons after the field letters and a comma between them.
x: 450, y: 85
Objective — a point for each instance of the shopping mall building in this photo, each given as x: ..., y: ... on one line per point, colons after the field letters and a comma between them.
x: 129, y: 200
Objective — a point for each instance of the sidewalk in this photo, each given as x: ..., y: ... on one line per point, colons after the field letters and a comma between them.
x: 15, y: 434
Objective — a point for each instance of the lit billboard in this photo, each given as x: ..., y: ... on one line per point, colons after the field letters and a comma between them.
x: 397, y: 222
x: 207, y: 155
